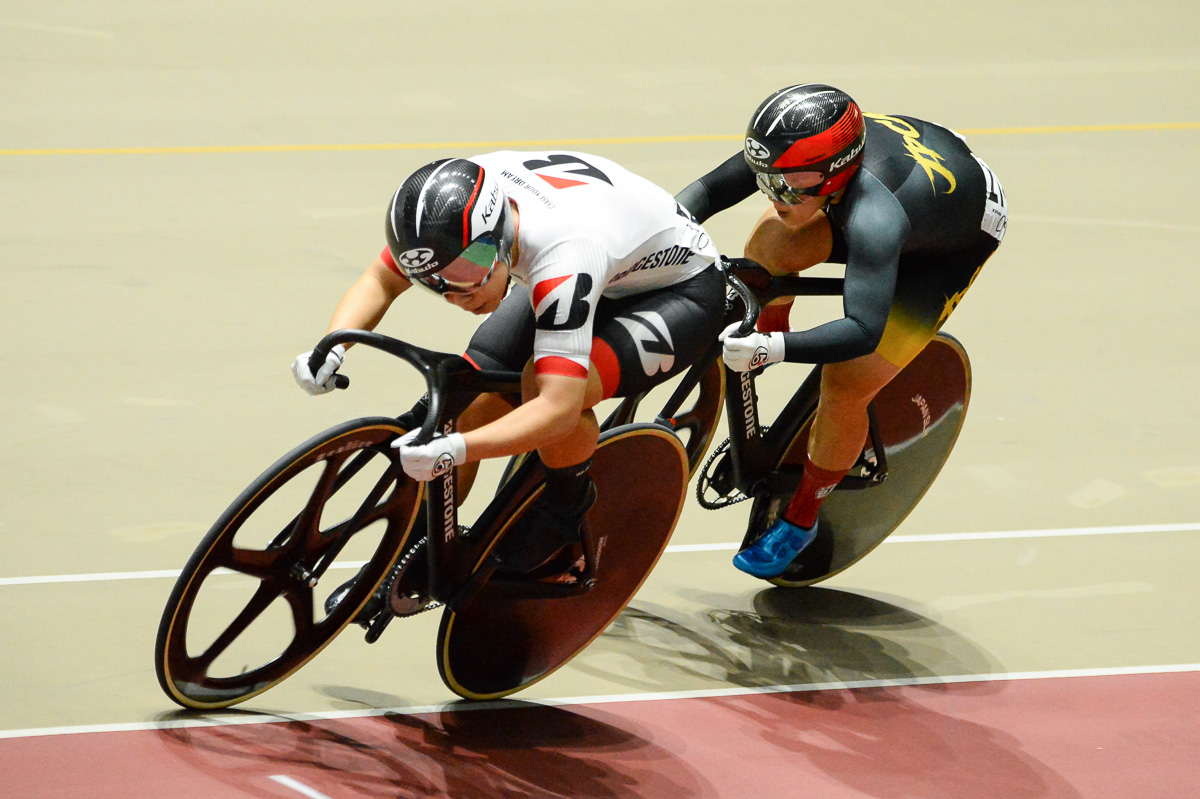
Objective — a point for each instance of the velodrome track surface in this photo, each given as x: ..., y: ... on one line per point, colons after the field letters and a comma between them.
x: 188, y: 190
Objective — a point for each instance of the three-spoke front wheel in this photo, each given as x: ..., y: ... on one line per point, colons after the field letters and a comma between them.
x: 246, y: 612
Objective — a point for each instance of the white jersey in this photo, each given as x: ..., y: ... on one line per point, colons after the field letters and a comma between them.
x: 589, y: 228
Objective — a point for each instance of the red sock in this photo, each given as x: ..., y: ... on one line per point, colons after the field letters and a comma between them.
x: 774, y: 318
x: 815, y: 485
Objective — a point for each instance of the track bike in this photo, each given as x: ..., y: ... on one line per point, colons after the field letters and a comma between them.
x: 914, y: 422
x: 501, y: 632
x: 344, y: 491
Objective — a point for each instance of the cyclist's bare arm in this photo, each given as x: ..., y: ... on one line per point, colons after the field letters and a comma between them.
x: 368, y: 299
x: 543, y: 420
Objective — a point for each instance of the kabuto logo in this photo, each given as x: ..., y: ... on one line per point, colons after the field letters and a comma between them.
x: 417, y: 261
x: 850, y: 157
x: 757, y: 152
x: 758, y: 358
x: 561, y: 303
x: 653, y: 341
x: 492, y: 203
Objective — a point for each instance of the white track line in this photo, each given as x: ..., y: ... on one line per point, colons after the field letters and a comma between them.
x: 298, y: 786
x: 716, y: 693
x: 676, y: 549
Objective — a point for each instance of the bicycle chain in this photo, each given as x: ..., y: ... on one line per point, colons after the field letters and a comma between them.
x: 398, y: 570
x: 706, y: 481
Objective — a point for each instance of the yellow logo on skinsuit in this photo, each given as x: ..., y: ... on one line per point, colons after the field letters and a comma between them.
x: 929, y: 160
x: 954, y: 299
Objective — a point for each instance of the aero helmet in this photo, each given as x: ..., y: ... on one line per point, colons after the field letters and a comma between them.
x: 806, y: 128
x: 446, y: 226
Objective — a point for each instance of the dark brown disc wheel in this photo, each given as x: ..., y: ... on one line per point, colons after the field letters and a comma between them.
x: 500, y: 643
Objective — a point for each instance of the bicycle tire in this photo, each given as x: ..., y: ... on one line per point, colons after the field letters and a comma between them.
x: 920, y: 414
x: 498, y: 644
x: 288, y: 565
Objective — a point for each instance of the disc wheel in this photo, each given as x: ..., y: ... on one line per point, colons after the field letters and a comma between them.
x: 920, y: 414
x: 499, y: 643
x: 243, y: 615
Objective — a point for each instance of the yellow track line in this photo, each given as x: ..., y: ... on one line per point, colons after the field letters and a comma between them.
x: 306, y: 148
x: 1081, y: 128
x: 537, y: 143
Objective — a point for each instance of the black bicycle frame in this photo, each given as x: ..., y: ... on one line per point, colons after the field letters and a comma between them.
x: 750, y: 450
x: 452, y: 383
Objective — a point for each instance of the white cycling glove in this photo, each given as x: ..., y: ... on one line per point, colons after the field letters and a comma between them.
x: 430, y: 460
x: 322, y: 381
x: 743, y: 353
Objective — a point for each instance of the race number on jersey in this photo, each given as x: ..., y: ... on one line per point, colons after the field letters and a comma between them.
x: 995, y: 206
x: 563, y: 171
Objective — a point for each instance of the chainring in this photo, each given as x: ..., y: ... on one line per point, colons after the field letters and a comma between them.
x: 403, y: 600
x: 715, y: 481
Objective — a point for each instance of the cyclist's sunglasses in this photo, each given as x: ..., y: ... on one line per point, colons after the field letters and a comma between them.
x: 780, y: 189
x: 469, y: 271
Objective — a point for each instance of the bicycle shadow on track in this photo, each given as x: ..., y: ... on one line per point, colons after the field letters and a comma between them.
x: 884, y: 741
x: 791, y: 637
x: 513, y: 749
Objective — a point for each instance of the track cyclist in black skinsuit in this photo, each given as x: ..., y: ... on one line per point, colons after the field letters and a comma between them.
x: 910, y: 211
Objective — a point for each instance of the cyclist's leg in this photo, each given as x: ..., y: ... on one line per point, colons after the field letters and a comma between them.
x: 784, y: 248
x: 928, y: 289
x: 503, y: 342
x: 638, y: 342
x: 840, y: 426
x: 554, y: 521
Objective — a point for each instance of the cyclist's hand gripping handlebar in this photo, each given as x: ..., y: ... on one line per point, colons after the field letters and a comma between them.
x: 317, y: 359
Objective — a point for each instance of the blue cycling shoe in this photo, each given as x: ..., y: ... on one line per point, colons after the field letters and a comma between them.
x: 772, y: 551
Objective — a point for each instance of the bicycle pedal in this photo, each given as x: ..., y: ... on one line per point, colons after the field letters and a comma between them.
x: 378, y: 625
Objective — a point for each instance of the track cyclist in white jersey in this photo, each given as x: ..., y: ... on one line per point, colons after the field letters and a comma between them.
x: 595, y: 285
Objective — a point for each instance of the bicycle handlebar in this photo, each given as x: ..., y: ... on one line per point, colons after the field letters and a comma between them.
x: 750, y: 316
x: 767, y: 287
x: 443, y: 371
x: 317, y: 359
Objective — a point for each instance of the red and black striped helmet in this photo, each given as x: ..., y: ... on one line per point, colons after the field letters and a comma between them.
x: 810, y: 127
x: 445, y: 226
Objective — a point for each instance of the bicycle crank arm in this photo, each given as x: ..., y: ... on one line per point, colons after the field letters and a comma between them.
x: 378, y: 625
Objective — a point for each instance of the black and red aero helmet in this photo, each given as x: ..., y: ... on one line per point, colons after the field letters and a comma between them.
x: 810, y: 127
x: 445, y: 226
